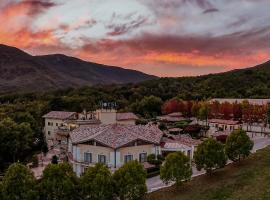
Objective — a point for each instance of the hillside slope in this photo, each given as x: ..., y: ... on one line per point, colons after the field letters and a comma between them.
x: 21, y: 72
x: 251, y: 82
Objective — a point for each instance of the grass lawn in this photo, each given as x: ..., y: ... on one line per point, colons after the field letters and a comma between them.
x: 249, y: 180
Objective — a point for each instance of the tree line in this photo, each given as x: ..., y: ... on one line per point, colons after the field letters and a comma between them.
x: 246, y: 112
x: 59, y: 182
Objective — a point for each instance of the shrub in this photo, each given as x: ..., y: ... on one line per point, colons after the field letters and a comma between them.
x: 210, y: 155
x: 238, y: 145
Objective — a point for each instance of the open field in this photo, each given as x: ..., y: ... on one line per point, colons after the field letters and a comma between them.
x: 248, y: 180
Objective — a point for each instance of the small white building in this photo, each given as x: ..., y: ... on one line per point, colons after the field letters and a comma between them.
x: 184, y: 143
x: 225, y: 125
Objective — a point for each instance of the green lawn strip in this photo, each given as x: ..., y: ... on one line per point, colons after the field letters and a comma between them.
x: 249, y: 179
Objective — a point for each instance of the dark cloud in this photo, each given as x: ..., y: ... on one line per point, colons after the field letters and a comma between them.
x: 123, y: 28
x: 210, y: 10
x: 236, y: 43
x: 38, y: 6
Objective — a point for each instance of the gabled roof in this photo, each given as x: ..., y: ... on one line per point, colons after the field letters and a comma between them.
x: 223, y: 121
x: 59, y: 115
x: 170, y: 118
x: 175, y: 114
x: 175, y: 146
x: 126, y: 116
x: 180, y: 139
x: 116, y: 135
x: 219, y: 133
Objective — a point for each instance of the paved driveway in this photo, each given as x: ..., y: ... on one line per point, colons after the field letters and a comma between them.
x: 155, y: 183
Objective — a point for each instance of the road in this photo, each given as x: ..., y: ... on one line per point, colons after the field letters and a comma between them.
x: 155, y: 183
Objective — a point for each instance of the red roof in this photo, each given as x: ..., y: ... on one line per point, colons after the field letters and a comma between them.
x: 116, y: 135
x: 181, y: 139
x: 59, y: 115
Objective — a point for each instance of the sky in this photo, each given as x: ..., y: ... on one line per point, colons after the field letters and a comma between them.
x: 160, y: 37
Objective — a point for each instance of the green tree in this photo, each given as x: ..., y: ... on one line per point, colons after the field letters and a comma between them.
x: 97, y: 183
x: 204, y: 112
x: 150, y: 106
x: 130, y: 181
x: 18, y: 183
x: 15, y: 140
x: 210, y: 155
x: 238, y: 145
x: 176, y: 168
x: 58, y: 182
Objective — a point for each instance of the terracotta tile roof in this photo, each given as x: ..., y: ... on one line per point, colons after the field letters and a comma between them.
x: 116, y: 135
x: 181, y: 139
x: 175, y: 114
x: 126, y: 116
x: 219, y: 133
x: 170, y: 118
x: 223, y: 121
x: 251, y: 101
x: 172, y: 145
x: 59, y: 115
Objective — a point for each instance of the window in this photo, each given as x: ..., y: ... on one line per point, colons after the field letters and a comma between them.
x: 56, y: 124
x: 102, y: 159
x: 87, y: 157
x: 128, y: 158
x: 188, y: 153
x: 49, y: 132
x: 143, y: 157
x: 84, y: 169
x: 50, y: 124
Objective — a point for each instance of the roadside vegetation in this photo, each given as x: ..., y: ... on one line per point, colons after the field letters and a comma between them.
x: 247, y: 180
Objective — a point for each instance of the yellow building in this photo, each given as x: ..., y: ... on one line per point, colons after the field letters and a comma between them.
x: 54, y: 120
x: 59, y: 123
x: 112, y: 145
x: 111, y: 116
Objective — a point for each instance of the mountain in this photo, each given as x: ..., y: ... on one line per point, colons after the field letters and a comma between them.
x: 21, y: 72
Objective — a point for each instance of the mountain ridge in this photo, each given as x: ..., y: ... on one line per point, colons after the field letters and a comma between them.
x: 22, y: 72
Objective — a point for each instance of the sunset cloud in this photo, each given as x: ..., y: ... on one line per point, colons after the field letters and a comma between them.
x: 165, y: 38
